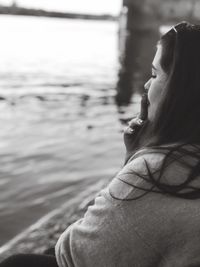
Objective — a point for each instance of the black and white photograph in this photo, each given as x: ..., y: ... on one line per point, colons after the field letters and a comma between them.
x: 99, y: 133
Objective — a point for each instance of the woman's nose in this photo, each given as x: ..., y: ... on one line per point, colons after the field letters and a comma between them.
x: 147, y: 84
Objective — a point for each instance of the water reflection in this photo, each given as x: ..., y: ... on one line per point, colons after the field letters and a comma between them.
x: 137, y: 45
x: 84, y: 100
x: 60, y: 121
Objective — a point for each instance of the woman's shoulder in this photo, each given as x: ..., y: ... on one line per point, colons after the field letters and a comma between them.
x: 151, y: 165
x: 173, y: 152
x: 153, y: 156
x: 132, y: 180
x: 174, y: 160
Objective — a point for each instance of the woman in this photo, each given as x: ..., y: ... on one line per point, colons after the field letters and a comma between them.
x: 149, y: 214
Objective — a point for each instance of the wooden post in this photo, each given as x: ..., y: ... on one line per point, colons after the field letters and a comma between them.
x: 136, y: 51
x: 139, y: 37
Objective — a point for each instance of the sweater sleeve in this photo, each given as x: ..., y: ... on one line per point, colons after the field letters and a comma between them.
x: 106, y: 236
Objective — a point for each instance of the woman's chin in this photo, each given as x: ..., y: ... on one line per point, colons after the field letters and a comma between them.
x: 150, y: 113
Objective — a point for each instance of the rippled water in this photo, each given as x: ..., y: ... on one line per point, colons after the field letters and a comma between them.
x: 60, y: 127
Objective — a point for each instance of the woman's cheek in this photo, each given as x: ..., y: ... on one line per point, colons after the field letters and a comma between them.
x: 154, y: 92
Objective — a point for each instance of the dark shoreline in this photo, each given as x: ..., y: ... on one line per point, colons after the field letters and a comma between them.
x: 43, y: 235
x: 20, y: 11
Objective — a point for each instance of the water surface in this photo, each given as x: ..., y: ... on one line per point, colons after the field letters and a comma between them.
x: 60, y: 127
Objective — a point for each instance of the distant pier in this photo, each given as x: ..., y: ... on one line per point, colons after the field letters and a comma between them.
x: 17, y: 10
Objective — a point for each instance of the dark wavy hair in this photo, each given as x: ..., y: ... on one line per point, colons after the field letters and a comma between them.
x: 181, y: 98
x: 177, y: 119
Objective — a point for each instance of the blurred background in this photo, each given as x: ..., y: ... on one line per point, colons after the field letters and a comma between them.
x: 71, y: 75
x: 60, y: 128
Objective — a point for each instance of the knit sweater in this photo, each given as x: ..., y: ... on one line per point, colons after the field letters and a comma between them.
x: 127, y: 227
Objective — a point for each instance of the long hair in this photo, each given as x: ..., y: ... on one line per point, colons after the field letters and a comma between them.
x: 177, y: 118
x: 178, y: 115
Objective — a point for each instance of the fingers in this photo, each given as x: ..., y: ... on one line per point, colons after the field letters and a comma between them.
x: 129, y: 130
x: 136, y: 123
x: 133, y: 126
x: 144, y: 107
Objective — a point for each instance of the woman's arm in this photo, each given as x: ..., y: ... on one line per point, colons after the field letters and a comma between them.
x: 109, y: 233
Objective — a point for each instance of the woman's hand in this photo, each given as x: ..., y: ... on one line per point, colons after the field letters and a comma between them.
x: 134, y: 126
